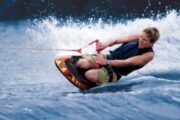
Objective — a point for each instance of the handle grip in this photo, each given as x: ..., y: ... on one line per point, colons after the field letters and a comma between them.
x: 98, y: 52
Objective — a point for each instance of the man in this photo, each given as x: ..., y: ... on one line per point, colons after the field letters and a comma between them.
x: 135, y: 52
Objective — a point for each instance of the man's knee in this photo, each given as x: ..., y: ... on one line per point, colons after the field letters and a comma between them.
x: 91, y: 75
x: 83, y: 63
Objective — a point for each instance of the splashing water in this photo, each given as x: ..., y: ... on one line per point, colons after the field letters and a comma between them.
x: 32, y: 88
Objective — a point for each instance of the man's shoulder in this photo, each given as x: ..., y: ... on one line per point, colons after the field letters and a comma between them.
x: 148, y: 56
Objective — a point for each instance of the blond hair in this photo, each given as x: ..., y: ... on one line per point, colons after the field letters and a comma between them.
x: 152, y: 34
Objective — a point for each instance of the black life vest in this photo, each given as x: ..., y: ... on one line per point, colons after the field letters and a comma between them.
x: 125, y: 51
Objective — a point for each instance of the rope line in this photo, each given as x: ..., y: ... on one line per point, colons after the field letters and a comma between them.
x: 48, y: 49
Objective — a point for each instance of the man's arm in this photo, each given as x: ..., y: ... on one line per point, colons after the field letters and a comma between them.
x: 101, y: 46
x: 139, y: 60
x: 122, y: 40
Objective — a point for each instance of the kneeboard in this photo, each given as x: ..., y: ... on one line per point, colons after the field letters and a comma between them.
x: 66, y: 65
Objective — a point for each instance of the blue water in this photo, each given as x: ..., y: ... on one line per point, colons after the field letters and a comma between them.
x: 31, y: 87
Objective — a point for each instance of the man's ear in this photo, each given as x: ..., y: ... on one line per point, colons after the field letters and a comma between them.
x: 152, y: 44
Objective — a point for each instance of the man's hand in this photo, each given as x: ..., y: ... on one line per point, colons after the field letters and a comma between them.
x: 101, y: 60
x: 101, y: 46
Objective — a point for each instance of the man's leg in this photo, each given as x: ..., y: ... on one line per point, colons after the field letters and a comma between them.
x: 84, y: 64
x: 98, y: 76
x: 92, y: 75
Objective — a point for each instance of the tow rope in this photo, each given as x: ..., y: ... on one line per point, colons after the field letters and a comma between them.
x: 49, y: 49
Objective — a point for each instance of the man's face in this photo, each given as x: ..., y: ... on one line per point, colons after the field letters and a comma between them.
x: 144, y: 41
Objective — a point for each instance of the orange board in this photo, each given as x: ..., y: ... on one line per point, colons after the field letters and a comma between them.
x: 60, y: 63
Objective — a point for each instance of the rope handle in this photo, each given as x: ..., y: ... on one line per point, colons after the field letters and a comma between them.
x: 95, y: 65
